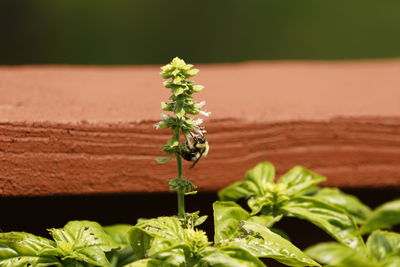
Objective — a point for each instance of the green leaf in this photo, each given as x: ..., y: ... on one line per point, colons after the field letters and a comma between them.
x: 385, y: 216
x: 192, y: 73
x: 121, y: 257
x: 335, y: 254
x: 163, y: 160
x: 280, y: 232
x: 262, y: 242
x: 229, y: 256
x: 256, y: 180
x: 200, y: 220
x: 182, y: 185
x: 149, y: 262
x: 173, y: 258
x: 382, y: 244
x: 194, y: 219
x: 227, y: 215
x: 178, y: 90
x: 179, y: 110
x: 350, y: 203
x: 83, y: 241
x: 236, y: 191
x: 266, y: 220
x: 261, y: 174
x: 198, y: 88
x: 393, y: 261
x: 164, y: 238
x: 75, y: 263
x: 300, y: 180
x: 256, y: 204
x: 18, y: 249
x: 332, y: 219
x: 119, y: 234
x: 153, y: 236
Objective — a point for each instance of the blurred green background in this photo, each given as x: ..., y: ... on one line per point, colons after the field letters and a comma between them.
x: 152, y: 32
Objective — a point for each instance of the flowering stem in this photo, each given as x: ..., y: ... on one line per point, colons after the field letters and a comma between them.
x: 183, y: 106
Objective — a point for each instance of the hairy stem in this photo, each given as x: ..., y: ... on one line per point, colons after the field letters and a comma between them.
x: 181, y: 194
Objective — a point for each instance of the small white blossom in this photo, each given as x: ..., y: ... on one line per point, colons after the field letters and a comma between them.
x: 198, y: 121
x: 164, y: 116
x: 205, y: 113
x: 200, y: 104
x: 157, y: 125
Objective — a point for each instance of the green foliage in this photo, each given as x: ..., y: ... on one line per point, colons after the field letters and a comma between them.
x: 119, y: 235
x: 235, y: 227
x: 78, y: 242
x: 350, y: 203
x: 163, y: 160
x: 241, y: 237
x: 332, y: 219
x: 227, y: 217
x: 383, y: 250
x: 299, y: 181
x: 238, y: 242
x: 165, y: 242
x: 289, y: 196
x: 383, y: 217
x: 21, y: 249
x: 83, y: 241
x: 228, y: 256
x: 186, y: 186
x: 335, y: 254
x: 262, y: 242
x: 149, y: 262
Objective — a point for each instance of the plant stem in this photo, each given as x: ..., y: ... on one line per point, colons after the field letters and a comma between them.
x: 181, y: 194
x: 179, y: 165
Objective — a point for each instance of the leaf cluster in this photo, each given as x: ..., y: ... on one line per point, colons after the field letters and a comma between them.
x: 78, y: 242
x: 241, y: 237
x: 382, y: 247
x: 383, y: 250
x: 295, y: 194
x: 239, y: 241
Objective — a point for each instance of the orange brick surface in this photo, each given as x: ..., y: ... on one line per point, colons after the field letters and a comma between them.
x: 79, y: 130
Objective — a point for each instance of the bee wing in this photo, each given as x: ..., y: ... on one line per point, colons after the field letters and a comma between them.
x: 197, y: 160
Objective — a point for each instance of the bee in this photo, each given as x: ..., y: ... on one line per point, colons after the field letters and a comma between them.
x: 199, y: 148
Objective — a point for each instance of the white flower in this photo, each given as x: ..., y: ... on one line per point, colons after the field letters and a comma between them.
x: 164, y: 116
x: 205, y: 113
x: 157, y: 125
x: 200, y: 104
x: 198, y: 121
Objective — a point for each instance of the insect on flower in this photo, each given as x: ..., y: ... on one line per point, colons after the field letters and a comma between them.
x: 199, y: 148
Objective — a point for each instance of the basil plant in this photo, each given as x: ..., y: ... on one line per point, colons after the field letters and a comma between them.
x: 382, y: 247
x: 239, y: 241
x: 383, y: 217
x: 383, y: 250
x: 78, y: 243
x: 295, y: 194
